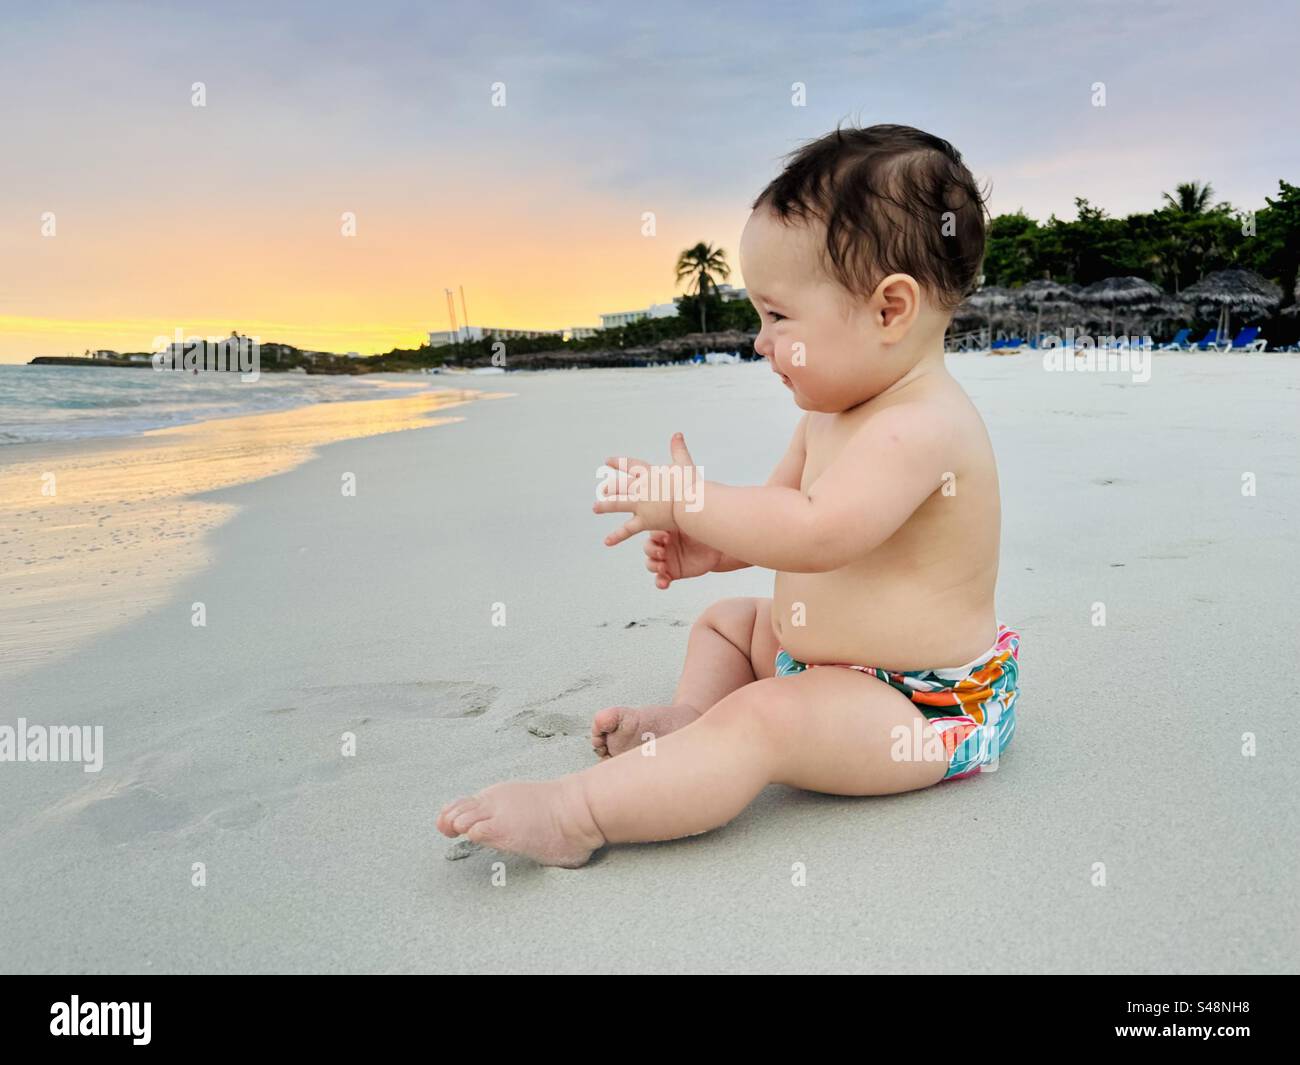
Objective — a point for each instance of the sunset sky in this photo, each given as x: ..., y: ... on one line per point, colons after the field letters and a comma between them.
x: 169, y: 216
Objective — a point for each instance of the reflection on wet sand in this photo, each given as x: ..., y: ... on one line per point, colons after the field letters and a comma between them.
x: 93, y: 535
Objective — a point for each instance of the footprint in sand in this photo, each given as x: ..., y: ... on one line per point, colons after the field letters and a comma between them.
x: 131, y: 812
x: 411, y: 699
x: 549, y: 725
x: 546, y: 724
x: 242, y: 815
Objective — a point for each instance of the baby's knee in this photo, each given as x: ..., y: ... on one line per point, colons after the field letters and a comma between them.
x: 730, y: 616
x: 766, y: 709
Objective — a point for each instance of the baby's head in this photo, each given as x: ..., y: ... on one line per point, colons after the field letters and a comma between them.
x: 855, y: 257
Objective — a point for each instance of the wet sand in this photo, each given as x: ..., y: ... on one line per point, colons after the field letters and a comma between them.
x: 96, y: 533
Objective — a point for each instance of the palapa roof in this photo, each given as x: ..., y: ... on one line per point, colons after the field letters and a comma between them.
x: 989, y: 296
x: 1122, y: 291
x: 1234, y: 288
x: 1043, y: 291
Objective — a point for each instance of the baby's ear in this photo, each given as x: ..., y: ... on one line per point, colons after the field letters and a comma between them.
x: 897, y: 303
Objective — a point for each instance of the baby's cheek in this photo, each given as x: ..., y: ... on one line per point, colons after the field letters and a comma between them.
x: 790, y: 354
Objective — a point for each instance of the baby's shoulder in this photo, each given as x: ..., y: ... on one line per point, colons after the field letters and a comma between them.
x: 939, y: 419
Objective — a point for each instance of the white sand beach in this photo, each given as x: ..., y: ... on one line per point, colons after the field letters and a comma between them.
x: 372, y: 615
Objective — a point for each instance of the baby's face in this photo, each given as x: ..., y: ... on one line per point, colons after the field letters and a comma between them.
x: 823, y: 341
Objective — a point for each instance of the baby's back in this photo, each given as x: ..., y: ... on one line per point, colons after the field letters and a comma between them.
x: 923, y: 599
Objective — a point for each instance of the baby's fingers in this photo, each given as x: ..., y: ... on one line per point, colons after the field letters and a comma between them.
x: 629, y: 528
x: 660, y: 570
x: 624, y: 463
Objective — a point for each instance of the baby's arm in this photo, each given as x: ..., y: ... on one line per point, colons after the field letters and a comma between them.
x: 788, y: 474
x: 673, y: 555
x: 888, y: 469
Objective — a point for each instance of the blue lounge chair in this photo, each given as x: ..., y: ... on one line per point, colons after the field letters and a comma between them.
x: 1179, y: 343
x: 1244, y: 341
x: 1206, y: 342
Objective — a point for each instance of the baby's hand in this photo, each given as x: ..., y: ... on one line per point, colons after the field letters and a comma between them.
x: 646, y: 491
x: 673, y: 556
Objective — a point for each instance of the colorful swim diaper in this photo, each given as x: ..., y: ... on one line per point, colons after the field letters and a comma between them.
x: 972, y: 707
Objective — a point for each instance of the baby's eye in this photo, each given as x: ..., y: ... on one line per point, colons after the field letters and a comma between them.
x: 775, y: 316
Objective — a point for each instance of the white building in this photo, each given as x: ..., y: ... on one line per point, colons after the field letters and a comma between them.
x: 621, y: 318
x: 468, y: 333
x: 664, y: 310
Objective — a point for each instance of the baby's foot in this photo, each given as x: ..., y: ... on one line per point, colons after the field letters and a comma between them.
x: 548, y: 821
x: 620, y: 728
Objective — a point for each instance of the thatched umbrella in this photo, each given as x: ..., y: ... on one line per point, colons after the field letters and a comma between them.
x: 988, y: 299
x: 1113, y: 292
x: 1233, y: 290
x: 1163, y: 311
x: 1034, y: 294
x: 967, y: 315
x: 1060, y: 314
x: 1043, y: 290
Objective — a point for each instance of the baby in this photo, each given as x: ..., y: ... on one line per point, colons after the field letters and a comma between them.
x: 878, y: 665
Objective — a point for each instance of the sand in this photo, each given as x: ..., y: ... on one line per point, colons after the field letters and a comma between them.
x: 371, y: 615
x: 96, y: 534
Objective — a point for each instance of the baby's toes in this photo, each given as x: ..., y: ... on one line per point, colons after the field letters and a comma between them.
x: 605, y: 722
x: 470, y: 815
x: 451, y: 814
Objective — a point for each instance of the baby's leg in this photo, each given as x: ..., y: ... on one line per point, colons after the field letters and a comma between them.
x: 732, y: 644
x: 828, y: 730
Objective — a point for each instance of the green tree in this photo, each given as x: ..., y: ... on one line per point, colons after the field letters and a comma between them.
x: 1012, y: 253
x: 1274, y: 249
x: 1190, y: 197
x: 702, y: 267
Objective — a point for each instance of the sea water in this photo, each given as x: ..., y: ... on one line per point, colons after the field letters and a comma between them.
x: 45, y: 403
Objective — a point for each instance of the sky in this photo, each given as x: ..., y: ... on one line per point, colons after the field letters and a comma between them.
x: 127, y: 212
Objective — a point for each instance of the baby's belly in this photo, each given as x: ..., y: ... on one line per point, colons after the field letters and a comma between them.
x: 855, y: 616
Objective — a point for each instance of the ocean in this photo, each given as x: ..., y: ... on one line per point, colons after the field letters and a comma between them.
x: 46, y: 403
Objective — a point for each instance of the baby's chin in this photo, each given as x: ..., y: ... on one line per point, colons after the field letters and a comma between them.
x: 825, y: 406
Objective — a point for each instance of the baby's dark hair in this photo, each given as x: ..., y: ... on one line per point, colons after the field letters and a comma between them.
x: 893, y: 199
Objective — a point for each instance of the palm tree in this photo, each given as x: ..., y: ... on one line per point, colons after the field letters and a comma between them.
x: 1190, y: 197
x: 699, y: 265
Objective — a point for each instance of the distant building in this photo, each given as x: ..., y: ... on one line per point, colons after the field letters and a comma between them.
x: 582, y: 332
x: 622, y: 318
x: 468, y: 333
x: 664, y: 310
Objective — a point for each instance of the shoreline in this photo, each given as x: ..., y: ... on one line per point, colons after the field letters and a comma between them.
x: 100, y: 529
